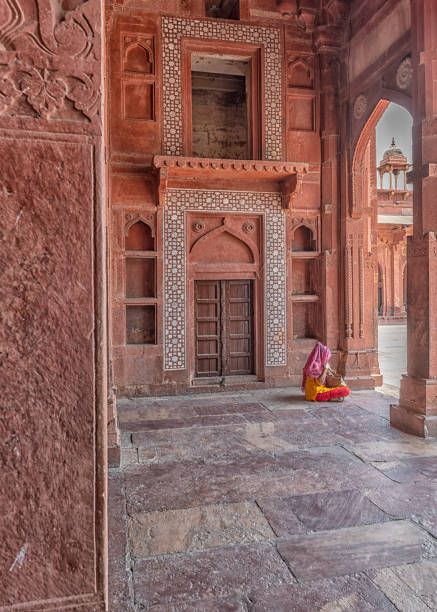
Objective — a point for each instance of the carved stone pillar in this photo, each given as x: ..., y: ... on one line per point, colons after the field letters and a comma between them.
x: 417, y: 410
x: 53, y: 383
x: 327, y: 41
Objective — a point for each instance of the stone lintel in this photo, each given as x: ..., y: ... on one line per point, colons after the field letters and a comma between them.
x: 202, y: 167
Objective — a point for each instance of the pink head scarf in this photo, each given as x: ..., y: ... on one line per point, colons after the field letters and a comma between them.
x: 319, y: 356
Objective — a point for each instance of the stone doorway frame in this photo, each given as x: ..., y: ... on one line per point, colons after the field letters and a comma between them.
x: 178, y: 203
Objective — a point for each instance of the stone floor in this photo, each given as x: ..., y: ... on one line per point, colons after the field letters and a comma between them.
x: 263, y: 502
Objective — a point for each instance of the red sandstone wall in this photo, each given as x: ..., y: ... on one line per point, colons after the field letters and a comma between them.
x: 52, y: 286
x: 133, y: 188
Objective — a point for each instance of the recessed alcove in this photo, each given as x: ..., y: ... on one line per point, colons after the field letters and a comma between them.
x: 306, y: 320
x: 140, y: 324
x: 140, y: 277
x: 139, y: 238
x: 303, y: 240
x: 138, y: 60
x: 299, y: 75
x: 304, y: 279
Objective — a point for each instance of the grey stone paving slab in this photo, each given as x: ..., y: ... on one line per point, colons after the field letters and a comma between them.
x: 400, y: 448
x: 322, y: 511
x: 196, y: 529
x: 422, y: 579
x: 399, y: 471
x: 345, y: 594
x: 191, y: 483
x: 354, y: 424
x: 228, y: 604
x: 222, y: 572
x: 353, y: 549
x: 184, y: 422
x: 405, y: 599
x: 405, y: 500
x: 425, y: 465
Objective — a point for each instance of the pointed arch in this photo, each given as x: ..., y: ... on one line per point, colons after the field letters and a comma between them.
x: 307, y: 239
x: 226, y: 229
x: 300, y: 74
x: 138, y: 58
x: 139, y: 233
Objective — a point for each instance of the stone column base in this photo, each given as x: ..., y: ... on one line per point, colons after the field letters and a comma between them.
x: 359, y: 369
x: 417, y: 409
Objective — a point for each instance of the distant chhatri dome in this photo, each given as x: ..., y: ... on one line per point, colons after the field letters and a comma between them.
x: 393, y: 151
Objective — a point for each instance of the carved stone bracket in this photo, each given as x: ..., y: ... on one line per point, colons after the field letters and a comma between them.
x: 162, y: 185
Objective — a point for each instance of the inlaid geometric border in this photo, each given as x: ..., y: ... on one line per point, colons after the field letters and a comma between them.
x: 173, y: 29
x: 178, y: 202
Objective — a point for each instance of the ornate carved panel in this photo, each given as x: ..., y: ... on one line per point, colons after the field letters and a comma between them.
x: 178, y: 201
x: 44, y: 64
x: 174, y: 29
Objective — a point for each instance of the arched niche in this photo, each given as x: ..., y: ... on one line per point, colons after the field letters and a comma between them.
x: 137, y: 58
x: 303, y: 239
x: 139, y: 236
x: 300, y: 75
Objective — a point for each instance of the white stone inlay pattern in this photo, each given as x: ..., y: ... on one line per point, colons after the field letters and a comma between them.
x: 178, y: 201
x: 176, y: 28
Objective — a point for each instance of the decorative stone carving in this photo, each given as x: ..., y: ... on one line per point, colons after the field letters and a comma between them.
x: 404, y: 73
x: 248, y: 227
x: 48, y: 65
x: 178, y: 201
x: 310, y: 222
x: 268, y: 38
x: 360, y: 106
x: 361, y: 283
x: 132, y: 218
x: 198, y: 226
x: 348, y: 305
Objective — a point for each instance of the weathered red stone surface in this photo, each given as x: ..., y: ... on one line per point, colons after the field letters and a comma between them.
x: 231, y: 523
x: 322, y: 168
x: 53, y: 345
x: 291, y: 230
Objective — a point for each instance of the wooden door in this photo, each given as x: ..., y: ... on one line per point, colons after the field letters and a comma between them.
x: 224, y: 328
x: 238, y: 345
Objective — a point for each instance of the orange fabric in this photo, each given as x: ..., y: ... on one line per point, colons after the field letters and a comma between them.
x: 312, y: 387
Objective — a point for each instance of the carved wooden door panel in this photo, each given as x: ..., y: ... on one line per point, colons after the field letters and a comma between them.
x: 223, y: 328
x: 207, y: 328
x: 238, y: 345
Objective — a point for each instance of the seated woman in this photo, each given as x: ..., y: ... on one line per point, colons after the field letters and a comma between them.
x: 314, y: 377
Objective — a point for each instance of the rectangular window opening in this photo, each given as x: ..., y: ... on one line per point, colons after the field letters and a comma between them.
x: 222, y: 9
x: 221, y: 122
